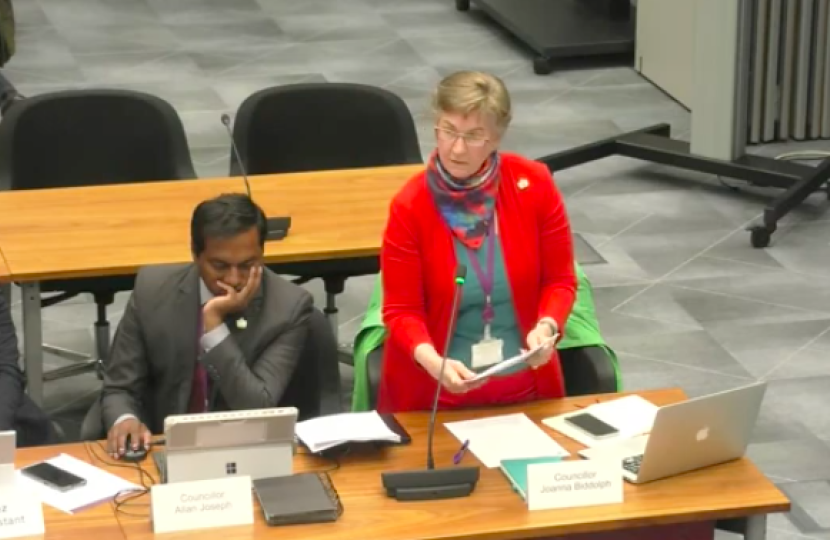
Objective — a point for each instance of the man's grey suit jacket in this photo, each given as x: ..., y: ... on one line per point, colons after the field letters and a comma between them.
x: 156, y: 347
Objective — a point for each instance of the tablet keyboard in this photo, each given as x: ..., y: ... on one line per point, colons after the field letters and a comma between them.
x: 632, y: 464
x: 160, y: 459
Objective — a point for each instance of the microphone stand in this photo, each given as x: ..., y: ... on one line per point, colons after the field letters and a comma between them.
x: 276, y: 227
x: 431, y: 483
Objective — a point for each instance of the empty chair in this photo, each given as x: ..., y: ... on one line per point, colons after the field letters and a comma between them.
x: 324, y: 126
x: 84, y: 138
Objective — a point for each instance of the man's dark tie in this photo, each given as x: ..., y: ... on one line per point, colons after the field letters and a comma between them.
x: 199, y: 391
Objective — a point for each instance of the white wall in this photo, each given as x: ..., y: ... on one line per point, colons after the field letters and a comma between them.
x: 665, y: 45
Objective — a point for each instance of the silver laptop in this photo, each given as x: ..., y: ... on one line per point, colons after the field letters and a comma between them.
x: 8, y: 447
x: 257, y: 443
x: 689, y: 435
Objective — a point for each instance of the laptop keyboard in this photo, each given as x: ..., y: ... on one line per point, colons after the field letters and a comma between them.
x: 632, y: 464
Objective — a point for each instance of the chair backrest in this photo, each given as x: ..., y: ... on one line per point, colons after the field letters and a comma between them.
x: 92, y: 137
x: 315, y: 387
x: 323, y: 126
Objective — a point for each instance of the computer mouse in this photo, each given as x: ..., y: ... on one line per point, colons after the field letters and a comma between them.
x: 133, y: 455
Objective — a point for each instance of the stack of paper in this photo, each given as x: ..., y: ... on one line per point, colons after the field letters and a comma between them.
x: 100, y: 486
x: 511, y: 436
x: 509, y: 363
x: 326, y: 432
x: 630, y: 415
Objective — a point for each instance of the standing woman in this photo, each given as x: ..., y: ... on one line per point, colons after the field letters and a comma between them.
x: 501, y: 216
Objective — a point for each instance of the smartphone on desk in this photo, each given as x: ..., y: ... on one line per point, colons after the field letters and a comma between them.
x: 593, y: 426
x: 54, y: 477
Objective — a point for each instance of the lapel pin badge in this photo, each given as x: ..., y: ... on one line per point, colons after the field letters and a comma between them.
x: 523, y: 183
x: 241, y: 323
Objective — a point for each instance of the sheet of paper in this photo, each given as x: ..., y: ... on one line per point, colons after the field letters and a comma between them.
x: 511, y: 436
x: 631, y: 415
x: 326, y: 432
x: 101, y: 486
x: 509, y: 363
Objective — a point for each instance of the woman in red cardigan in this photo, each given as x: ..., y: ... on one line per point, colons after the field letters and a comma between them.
x: 501, y: 216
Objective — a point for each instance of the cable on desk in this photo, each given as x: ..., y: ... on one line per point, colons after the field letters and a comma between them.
x: 124, y: 498
x: 332, y: 457
x: 580, y: 406
x: 128, y: 497
x: 6, y: 262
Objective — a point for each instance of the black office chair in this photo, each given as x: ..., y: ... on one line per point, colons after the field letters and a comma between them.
x: 90, y: 137
x: 315, y: 387
x: 324, y: 126
x: 587, y: 370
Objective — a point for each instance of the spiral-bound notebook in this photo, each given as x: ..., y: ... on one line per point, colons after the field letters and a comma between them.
x: 299, y: 498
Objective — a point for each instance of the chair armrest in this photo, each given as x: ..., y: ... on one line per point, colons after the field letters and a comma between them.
x: 374, y: 363
x: 330, y: 399
x: 331, y: 392
x: 321, y: 348
x: 588, y: 370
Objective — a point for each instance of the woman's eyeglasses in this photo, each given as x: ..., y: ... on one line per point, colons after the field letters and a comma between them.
x: 449, y: 136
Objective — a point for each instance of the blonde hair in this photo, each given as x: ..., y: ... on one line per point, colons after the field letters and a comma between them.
x: 467, y: 92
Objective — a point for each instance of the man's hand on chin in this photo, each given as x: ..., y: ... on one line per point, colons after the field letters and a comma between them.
x: 233, y: 301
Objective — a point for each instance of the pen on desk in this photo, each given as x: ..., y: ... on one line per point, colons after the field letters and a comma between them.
x: 460, y: 454
x: 596, y: 402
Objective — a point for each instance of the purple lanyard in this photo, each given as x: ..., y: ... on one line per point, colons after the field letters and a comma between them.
x: 486, y: 279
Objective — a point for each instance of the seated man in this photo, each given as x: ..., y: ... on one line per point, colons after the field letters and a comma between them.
x: 223, y: 333
x: 17, y: 411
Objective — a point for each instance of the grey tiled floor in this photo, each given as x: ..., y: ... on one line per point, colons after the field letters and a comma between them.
x: 681, y: 294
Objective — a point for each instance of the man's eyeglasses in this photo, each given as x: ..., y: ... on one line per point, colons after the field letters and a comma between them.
x: 449, y: 136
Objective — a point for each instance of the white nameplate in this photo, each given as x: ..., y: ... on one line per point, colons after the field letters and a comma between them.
x: 187, y: 506
x: 21, y: 514
x: 568, y: 484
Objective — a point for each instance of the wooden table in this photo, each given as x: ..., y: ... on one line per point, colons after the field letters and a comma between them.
x: 115, y: 230
x: 494, y: 511
x: 97, y: 523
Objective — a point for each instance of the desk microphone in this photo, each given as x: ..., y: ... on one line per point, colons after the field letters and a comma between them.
x: 432, y: 483
x: 276, y: 228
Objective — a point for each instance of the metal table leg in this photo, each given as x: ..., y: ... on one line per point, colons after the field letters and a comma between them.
x: 333, y: 285
x: 32, y: 339
x: 756, y: 527
x: 331, y: 312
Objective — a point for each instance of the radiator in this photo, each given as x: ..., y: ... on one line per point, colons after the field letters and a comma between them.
x: 789, y: 83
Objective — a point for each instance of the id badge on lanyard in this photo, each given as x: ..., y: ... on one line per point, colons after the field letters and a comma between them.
x: 488, y: 351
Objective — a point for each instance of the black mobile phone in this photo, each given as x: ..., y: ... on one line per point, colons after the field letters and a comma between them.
x: 592, y: 425
x: 52, y: 476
